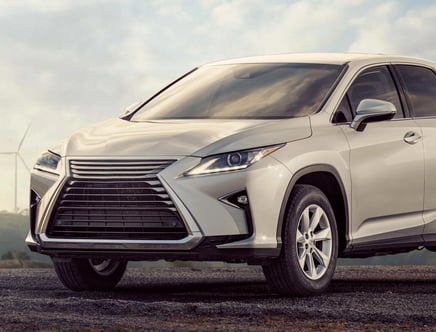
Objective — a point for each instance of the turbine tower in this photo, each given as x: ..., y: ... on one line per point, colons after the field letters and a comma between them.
x: 17, y: 156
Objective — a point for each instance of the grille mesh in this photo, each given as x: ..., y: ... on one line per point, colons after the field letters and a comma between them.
x: 115, y: 199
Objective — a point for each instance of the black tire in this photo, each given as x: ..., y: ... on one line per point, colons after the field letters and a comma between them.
x: 90, y: 275
x: 431, y: 248
x: 287, y: 274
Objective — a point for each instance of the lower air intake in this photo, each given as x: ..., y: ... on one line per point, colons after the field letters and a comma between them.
x: 115, y: 199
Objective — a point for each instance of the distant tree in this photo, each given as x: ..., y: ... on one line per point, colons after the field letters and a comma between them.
x: 16, y: 255
x: 7, y: 256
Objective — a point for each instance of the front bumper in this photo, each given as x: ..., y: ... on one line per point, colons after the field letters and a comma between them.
x: 208, y: 249
x: 216, y: 230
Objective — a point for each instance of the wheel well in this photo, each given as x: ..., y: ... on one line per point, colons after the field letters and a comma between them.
x: 330, y: 186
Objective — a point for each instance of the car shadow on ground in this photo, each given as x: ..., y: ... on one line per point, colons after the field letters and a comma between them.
x: 380, y: 286
x: 248, y: 291
x: 208, y: 291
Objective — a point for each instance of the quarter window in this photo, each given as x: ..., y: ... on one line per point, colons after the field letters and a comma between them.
x: 343, y: 114
x: 420, y: 88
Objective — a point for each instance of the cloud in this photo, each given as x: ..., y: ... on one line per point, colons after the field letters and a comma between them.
x: 393, y: 29
x: 68, y: 63
x: 300, y: 26
x: 226, y: 16
x: 48, y: 6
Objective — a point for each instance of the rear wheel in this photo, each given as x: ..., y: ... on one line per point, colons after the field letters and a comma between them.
x: 90, y: 274
x: 307, y: 260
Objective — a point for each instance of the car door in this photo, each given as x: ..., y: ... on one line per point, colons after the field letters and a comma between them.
x: 419, y: 84
x: 386, y: 169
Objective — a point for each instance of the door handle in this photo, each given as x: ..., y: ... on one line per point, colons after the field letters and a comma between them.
x: 411, y: 137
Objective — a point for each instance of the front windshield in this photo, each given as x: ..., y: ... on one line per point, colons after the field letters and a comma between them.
x: 244, y: 91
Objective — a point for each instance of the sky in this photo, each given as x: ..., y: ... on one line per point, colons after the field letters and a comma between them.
x: 65, y: 64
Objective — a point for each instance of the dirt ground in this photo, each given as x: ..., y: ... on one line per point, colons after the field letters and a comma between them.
x: 362, y: 298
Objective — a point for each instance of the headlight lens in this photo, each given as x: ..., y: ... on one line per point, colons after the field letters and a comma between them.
x: 231, y: 161
x: 48, y: 162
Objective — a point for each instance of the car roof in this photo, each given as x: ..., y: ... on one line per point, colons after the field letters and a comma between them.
x: 326, y: 58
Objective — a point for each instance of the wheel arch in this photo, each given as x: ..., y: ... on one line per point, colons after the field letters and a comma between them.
x: 327, y: 179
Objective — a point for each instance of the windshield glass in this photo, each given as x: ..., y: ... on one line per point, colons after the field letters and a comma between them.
x: 244, y: 91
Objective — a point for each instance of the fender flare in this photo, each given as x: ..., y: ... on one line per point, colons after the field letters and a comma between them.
x: 297, y: 176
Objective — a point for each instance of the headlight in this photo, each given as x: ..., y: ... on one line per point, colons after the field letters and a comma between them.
x: 48, y: 162
x: 231, y: 161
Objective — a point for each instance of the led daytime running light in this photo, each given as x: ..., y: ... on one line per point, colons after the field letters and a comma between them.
x: 231, y: 161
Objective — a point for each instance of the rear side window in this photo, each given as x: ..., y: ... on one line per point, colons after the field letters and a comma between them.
x: 375, y: 83
x: 420, y: 88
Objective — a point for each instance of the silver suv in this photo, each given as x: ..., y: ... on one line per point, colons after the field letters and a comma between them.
x: 285, y: 161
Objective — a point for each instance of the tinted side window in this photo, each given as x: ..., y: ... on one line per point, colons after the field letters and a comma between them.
x: 375, y: 83
x: 420, y: 86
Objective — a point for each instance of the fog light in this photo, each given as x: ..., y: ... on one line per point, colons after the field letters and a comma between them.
x: 242, y: 199
x: 238, y: 200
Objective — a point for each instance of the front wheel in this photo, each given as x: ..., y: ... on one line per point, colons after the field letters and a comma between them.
x: 90, y: 274
x: 307, y: 260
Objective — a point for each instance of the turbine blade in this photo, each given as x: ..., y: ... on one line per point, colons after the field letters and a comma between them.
x: 22, y: 139
x: 24, y: 162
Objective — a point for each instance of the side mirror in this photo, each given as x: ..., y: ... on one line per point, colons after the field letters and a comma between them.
x: 129, y: 109
x: 372, y: 110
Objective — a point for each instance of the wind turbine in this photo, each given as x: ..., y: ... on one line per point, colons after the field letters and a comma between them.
x: 17, y: 156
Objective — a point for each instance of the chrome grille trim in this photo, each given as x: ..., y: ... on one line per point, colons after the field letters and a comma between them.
x: 116, y: 169
x: 116, y: 199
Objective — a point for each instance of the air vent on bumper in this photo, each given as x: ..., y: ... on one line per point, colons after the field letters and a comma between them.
x: 116, y: 199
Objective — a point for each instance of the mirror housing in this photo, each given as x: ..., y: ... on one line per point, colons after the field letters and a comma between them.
x: 130, y: 109
x: 372, y: 110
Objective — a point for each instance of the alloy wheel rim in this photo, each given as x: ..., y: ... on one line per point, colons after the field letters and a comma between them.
x: 314, y: 242
x: 104, y: 267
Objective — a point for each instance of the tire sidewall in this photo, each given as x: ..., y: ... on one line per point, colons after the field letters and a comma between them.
x: 100, y: 281
x: 78, y: 275
x: 307, y: 195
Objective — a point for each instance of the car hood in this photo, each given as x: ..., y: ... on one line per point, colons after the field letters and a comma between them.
x: 117, y: 137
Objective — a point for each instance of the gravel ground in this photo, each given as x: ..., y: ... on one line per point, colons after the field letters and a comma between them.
x: 363, y: 298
